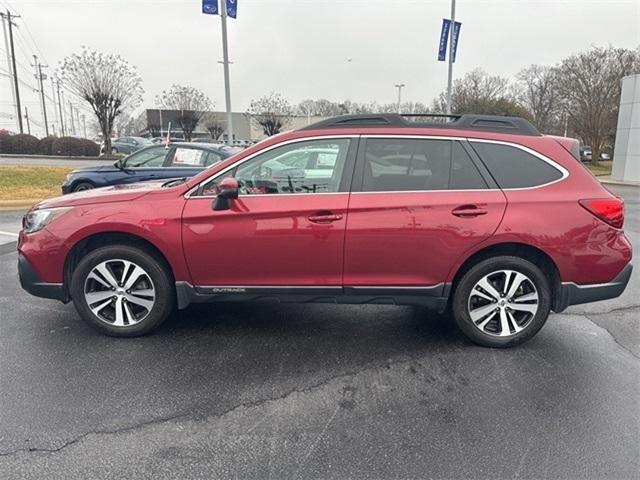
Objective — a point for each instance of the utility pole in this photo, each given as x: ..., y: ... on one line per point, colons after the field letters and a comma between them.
x: 10, y: 68
x: 450, y: 76
x: 60, y: 110
x: 73, y: 126
x: 13, y: 70
x: 53, y: 100
x: 399, y: 87
x: 225, y: 62
x: 26, y: 116
x: 78, y: 118
x: 38, y: 66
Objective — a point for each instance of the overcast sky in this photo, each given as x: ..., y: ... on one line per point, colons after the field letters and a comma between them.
x: 348, y: 49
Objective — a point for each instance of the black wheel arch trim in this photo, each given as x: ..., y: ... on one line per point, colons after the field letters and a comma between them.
x: 32, y: 283
x: 573, y: 294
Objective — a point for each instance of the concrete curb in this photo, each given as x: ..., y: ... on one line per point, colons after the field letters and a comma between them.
x: 17, y: 156
x: 610, y: 181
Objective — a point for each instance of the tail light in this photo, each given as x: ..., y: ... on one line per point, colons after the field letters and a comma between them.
x: 609, y: 210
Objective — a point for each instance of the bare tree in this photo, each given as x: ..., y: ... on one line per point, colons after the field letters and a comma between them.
x: 538, y: 92
x: 476, y: 90
x: 213, y: 124
x: 321, y: 108
x: 190, y: 102
x: 481, y: 93
x: 271, y: 112
x: 590, y: 84
x: 106, y: 82
x: 124, y: 125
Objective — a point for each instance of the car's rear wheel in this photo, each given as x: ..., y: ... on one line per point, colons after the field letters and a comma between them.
x: 502, y: 301
x: 80, y: 187
x: 114, y: 150
x: 122, y: 291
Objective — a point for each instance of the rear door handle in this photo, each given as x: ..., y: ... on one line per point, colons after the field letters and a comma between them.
x: 468, y: 211
x: 324, y: 217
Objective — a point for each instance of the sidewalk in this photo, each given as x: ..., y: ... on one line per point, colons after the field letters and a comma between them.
x: 607, y: 180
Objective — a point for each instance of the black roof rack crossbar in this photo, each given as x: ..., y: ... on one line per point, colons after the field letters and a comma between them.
x: 491, y: 123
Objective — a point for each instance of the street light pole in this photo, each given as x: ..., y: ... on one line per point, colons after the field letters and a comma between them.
x: 225, y: 62
x: 399, y: 87
x: 450, y: 76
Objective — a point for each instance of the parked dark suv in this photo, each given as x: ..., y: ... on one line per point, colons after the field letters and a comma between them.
x: 482, y: 215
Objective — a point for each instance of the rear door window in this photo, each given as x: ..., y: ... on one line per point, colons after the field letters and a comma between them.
x: 513, y: 167
x: 398, y: 164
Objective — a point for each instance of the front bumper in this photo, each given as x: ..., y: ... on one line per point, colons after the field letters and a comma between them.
x: 32, y: 283
x: 573, y: 294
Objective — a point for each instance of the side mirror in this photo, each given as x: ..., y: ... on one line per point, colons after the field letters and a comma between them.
x: 118, y: 164
x: 227, y: 191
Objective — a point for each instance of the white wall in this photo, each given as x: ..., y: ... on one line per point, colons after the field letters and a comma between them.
x: 626, y: 158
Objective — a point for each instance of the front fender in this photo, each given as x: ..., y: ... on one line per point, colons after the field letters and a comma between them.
x: 157, y: 221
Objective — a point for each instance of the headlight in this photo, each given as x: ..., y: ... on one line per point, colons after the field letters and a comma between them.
x: 38, y: 219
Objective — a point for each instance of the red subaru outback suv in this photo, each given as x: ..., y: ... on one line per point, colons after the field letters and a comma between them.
x: 480, y: 215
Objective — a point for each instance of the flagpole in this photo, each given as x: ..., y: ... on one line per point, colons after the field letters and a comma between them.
x: 225, y: 61
x: 450, y: 76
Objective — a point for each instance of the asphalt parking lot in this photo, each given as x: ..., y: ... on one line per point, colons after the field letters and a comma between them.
x: 313, y: 391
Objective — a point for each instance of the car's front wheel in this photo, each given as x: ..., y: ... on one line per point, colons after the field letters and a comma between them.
x: 122, y: 290
x: 502, y: 301
x: 82, y: 186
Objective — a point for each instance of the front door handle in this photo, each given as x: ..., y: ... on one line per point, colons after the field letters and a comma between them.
x: 324, y: 217
x: 468, y: 211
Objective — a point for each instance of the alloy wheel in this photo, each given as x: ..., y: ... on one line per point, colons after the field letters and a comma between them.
x: 503, y: 303
x: 119, y: 292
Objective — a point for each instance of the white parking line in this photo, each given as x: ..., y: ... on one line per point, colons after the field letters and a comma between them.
x: 10, y: 234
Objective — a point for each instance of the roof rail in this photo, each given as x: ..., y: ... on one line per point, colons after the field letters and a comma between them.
x: 487, y: 123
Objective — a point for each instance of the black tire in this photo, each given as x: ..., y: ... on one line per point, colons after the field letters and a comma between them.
x: 114, y: 151
x: 161, y: 279
x: 81, y: 186
x: 461, y: 299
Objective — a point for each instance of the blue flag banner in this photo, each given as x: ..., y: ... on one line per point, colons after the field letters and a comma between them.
x: 210, y: 7
x: 444, y: 39
x: 232, y: 8
x: 456, y: 35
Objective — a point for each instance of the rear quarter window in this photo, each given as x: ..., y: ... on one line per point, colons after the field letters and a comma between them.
x: 513, y: 167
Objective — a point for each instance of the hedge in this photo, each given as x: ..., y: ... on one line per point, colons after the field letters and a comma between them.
x: 91, y: 148
x: 46, y: 144
x: 22, y: 143
x: 68, y: 146
x: 5, y: 142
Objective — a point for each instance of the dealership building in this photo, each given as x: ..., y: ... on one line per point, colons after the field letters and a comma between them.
x: 156, y: 122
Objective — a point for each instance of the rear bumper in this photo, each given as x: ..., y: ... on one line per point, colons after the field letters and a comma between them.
x: 574, y: 294
x: 32, y: 283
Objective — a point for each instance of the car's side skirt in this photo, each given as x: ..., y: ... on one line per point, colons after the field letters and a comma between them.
x: 432, y: 297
